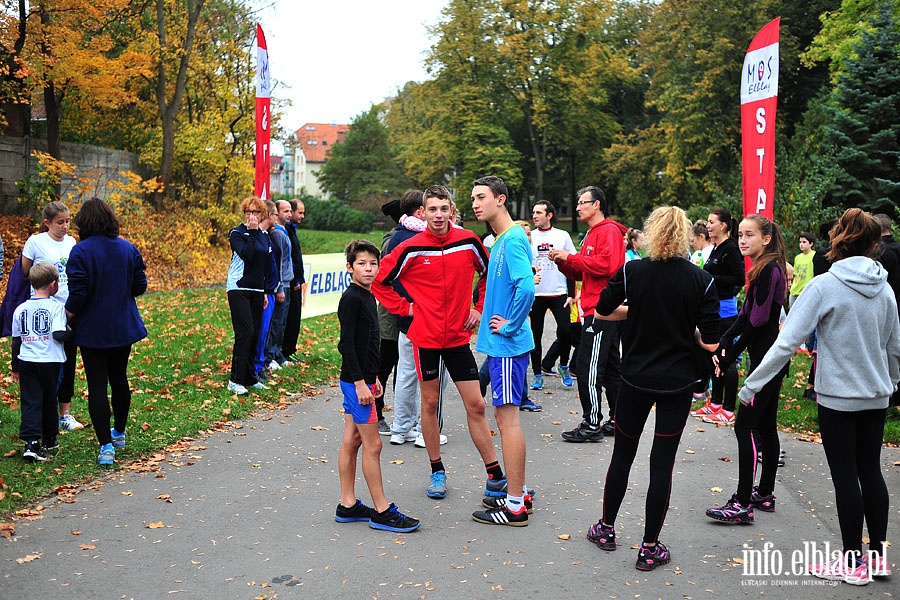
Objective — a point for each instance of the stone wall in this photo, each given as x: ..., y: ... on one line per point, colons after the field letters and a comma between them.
x: 98, y: 164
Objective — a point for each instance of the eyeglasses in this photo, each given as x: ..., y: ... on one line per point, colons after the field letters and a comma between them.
x: 252, y: 212
x: 580, y: 202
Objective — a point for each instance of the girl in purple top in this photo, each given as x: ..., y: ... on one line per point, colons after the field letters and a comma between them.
x: 757, y: 325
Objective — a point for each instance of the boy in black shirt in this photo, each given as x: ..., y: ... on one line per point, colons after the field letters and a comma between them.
x: 359, y: 346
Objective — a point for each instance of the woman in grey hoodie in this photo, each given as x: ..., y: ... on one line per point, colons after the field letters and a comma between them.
x: 854, y: 312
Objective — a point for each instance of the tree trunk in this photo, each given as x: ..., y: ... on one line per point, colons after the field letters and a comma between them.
x: 168, y: 108
x: 15, y: 102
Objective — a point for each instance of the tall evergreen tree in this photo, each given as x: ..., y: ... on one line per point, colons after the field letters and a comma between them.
x: 363, y: 167
x: 866, y: 119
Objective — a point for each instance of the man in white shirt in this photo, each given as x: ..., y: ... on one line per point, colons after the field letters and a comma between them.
x: 555, y: 292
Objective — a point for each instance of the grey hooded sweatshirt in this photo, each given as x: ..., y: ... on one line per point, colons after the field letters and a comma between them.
x: 855, y: 314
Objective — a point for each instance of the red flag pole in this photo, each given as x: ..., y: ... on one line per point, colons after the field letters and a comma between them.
x: 263, y: 117
x: 759, y: 99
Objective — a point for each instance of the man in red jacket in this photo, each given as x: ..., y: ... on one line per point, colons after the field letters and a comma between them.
x: 602, y: 254
x: 429, y: 278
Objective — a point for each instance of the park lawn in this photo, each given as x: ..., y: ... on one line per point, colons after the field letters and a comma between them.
x: 178, y: 377
x: 798, y: 415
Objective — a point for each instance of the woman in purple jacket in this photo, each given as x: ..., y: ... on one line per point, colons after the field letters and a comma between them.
x: 106, y: 274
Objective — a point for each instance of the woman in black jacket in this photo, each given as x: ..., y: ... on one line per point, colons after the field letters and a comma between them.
x: 726, y: 265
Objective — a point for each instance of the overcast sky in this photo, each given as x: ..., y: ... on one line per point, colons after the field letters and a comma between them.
x: 334, y: 58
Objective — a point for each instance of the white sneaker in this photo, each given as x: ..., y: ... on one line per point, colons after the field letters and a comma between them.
x: 274, y: 366
x: 420, y: 440
x: 398, y: 439
x: 259, y: 386
x: 237, y: 389
x: 68, y: 423
x: 287, y: 363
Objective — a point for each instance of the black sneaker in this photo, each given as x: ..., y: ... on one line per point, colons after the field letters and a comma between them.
x: 491, y: 502
x: 51, y: 444
x: 358, y: 512
x: 393, y: 520
x: 650, y: 558
x: 584, y: 433
x: 34, y: 452
x: 763, y: 503
x: 609, y: 428
x: 603, y: 536
x: 501, y: 516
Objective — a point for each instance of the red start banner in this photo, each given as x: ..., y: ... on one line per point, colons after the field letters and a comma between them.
x: 759, y: 98
x: 263, y: 117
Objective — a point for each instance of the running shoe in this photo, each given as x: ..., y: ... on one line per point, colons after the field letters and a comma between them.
x: 701, y: 396
x: 548, y: 372
x: 50, y: 444
x: 837, y: 570
x: 357, y: 512
x: 259, y: 386
x: 492, y: 502
x: 34, y: 452
x: 274, y: 366
x: 68, y: 423
x: 603, y: 536
x: 585, y: 432
x: 118, y: 441
x: 538, y: 383
x: 497, y: 489
x: 107, y: 455
x: 650, y: 558
x: 420, y: 440
x: 236, y: 388
x: 720, y: 417
x: 383, y: 427
x: 879, y: 566
x: 609, y: 428
x: 501, y: 516
x: 566, y: 375
x: 763, y: 503
x: 438, y: 487
x: 707, y: 409
x: 398, y: 439
x: 393, y: 520
x: 528, y: 405
x: 732, y: 512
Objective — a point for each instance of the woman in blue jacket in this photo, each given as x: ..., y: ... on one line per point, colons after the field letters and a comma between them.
x: 106, y: 274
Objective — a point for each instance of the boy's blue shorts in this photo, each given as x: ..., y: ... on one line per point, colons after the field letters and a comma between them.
x: 361, y: 414
x: 508, y: 378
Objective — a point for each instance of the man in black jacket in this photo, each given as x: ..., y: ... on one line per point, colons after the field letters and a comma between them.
x: 298, y: 285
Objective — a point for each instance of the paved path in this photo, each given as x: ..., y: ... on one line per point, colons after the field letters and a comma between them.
x: 248, y: 513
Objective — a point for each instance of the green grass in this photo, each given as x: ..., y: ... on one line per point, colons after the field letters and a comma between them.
x: 178, y: 377
x: 798, y: 415
x: 314, y: 241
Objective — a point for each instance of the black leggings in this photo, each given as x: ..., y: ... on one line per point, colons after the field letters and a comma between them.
x: 246, y: 320
x: 852, y: 442
x: 724, y: 388
x: 631, y: 414
x: 761, y: 416
x: 102, y: 367
x: 67, y: 382
x: 561, y: 313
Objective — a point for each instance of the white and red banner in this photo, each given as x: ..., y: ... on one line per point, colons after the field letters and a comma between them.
x: 263, y: 117
x: 759, y: 98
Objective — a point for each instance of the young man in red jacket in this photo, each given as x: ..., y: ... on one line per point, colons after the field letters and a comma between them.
x: 602, y: 254
x: 429, y: 278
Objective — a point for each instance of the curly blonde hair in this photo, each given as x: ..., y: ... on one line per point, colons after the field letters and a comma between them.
x: 667, y: 232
